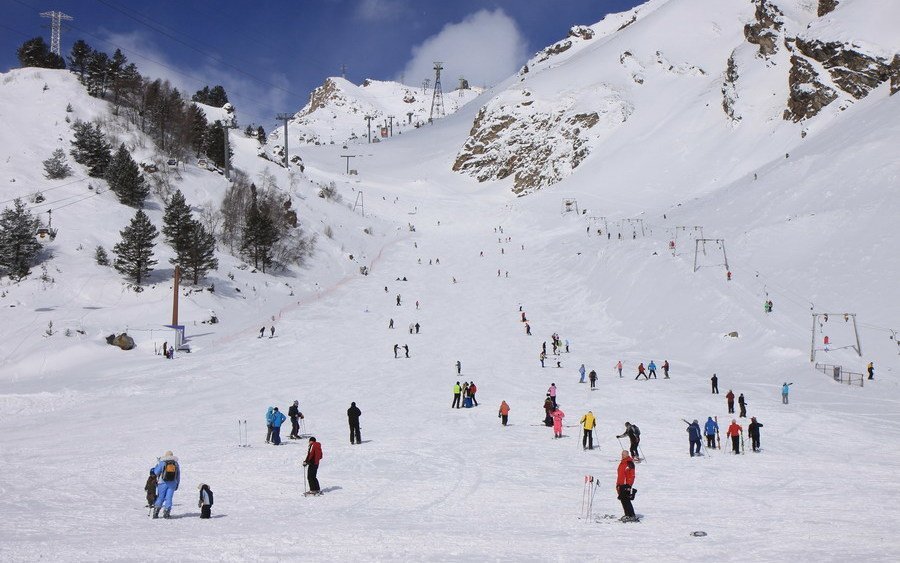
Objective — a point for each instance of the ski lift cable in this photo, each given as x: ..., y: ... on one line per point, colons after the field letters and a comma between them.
x: 32, y: 194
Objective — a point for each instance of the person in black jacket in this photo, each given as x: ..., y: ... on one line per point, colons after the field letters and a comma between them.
x: 634, y: 437
x: 353, y: 417
x: 206, y: 501
x: 295, y: 415
x: 150, y: 487
x: 753, y: 430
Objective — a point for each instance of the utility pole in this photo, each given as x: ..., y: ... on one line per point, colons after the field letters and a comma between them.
x: 437, y: 98
x: 225, y: 128
x: 391, y: 126
x: 369, y: 119
x: 176, y: 281
x: 425, y: 84
x: 285, y: 117
x: 348, y: 157
x: 56, y: 19
x: 344, y: 71
x: 409, y: 117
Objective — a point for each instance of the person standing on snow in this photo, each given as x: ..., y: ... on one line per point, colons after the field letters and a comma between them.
x: 558, y: 416
x: 634, y: 436
x: 262, y: 332
x: 730, y: 398
x: 542, y: 357
x: 206, y: 501
x: 785, y: 389
x: 619, y: 367
x: 168, y: 473
x: 715, y: 384
x: 693, y: 431
x: 270, y: 416
x: 458, y: 367
x: 457, y: 391
x: 353, y: 414
x: 295, y: 416
x: 624, y: 483
x: 406, y: 349
x: 398, y: 299
x: 503, y: 414
x: 652, y: 368
x: 665, y: 367
x: 710, y: 429
x: 551, y: 392
x: 593, y: 379
x: 581, y: 371
x: 734, y: 432
x: 150, y: 487
x: 278, y: 419
x: 472, y: 390
x: 548, y: 411
x: 396, y: 349
x: 588, y: 422
x: 753, y: 431
x: 743, y: 405
x: 641, y: 372
x: 870, y: 369
x: 311, y: 463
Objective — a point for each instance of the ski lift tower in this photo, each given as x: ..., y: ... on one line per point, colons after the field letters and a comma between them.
x: 819, y: 319
x: 569, y: 204
x: 702, y: 241
x: 437, y: 98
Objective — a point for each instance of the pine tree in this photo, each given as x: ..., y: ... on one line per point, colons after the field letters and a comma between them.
x: 36, y: 53
x: 79, y: 57
x: 125, y: 179
x: 217, y: 96
x: 177, y: 222
x: 134, y: 253
x: 215, y: 144
x: 18, y: 245
x: 196, y: 136
x: 90, y: 148
x: 261, y: 135
x: 259, y: 235
x: 55, y: 167
x: 100, y: 256
x: 198, y: 256
x: 97, y: 74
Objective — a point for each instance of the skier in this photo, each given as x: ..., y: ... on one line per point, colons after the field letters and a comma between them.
x: 523, y: 317
x: 548, y: 411
x: 785, y: 389
x: 730, y: 398
x: 391, y: 323
x: 581, y: 371
x: 558, y: 416
x: 277, y: 420
x: 168, y: 472
x: 634, y: 436
x: 398, y: 299
x: 417, y: 328
x: 353, y: 414
x: 458, y: 367
x: 715, y: 384
x: 619, y: 367
x: 396, y: 348
x: 624, y: 482
x: 544, y: 347
x: 271, y: 332
x: 465, y: 395
x: 406, y: 350
x: 262, y: 332
x: 734, y: 431
x: 270, y: 416
x: 456, y: 395
x: 641, y: 372
x: 472, y: 390
x: 652, y: 368
x: 871, y: 370
x: 593, y: 378
x: 150, y: 487
x: 528, y: 329
x: 165, y: 350
x: 542, y: 357
x: 693, y: 431
x: 311, y: 463
x: 710, y: 428
x: 753, y: 431
x: 503, y: 414
x: 551, y: 392
x: 295, y: 416
x: 743, y: 405
x: 588, y: 422
x: 665, y: 367
x: 206, y: 501
x: 567, y: 345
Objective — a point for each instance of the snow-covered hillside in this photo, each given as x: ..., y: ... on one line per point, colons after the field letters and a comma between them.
x: 807, y: 221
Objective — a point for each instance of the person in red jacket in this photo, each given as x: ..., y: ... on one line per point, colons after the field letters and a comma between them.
x: 641, y: 372
x: 311, y: 463
x: 735, y: 432
x: 624, y: 481
x: 730, y: 398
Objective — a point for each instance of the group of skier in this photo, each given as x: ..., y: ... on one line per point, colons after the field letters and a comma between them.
x: 464, y: 395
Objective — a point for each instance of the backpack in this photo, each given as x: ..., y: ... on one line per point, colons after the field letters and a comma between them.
x: 170, y: 471
x: 636, y: 430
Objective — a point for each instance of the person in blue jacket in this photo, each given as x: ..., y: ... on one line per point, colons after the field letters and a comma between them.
x: 270, y: 416
x: 785, y: 389
x: 693, y: 431
x: 278, y: 419
x: 581, y: 370
x: 711, y: 428
x: 651, y: 370
x: 168, y: 473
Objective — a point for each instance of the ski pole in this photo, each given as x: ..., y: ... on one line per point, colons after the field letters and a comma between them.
x: 620, y: 442
x: 304, y: 479
x: 641, y: 451
x: 584, y: 490
x: 240, y: 439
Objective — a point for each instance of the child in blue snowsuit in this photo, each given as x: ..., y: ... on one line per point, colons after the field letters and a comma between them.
x: 168, y: 471
x: 711, y: 428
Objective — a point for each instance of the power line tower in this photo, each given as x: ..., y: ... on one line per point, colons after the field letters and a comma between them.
x: 285, y: 117
x: 228, y: 125
x: 369, y: 119
x: 425, y: 85
x: 56, y: 19
x: 437, y: 99
x: 344, y: 71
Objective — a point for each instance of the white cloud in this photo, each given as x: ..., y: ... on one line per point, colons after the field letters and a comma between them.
x: 379, y: 10
x: 255, y: 101
x: 485, y: 48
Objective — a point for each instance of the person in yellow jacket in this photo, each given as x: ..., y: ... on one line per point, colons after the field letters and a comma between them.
x: 587, y: 423
x: 457, y: 392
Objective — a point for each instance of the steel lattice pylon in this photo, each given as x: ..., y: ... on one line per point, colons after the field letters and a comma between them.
x: 56, y: 19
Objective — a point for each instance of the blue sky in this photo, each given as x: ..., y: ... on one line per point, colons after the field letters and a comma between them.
x: 270, y: 54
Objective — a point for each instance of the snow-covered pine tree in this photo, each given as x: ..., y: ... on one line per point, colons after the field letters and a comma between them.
x: 55, y: 167
x: 97, y: 78
x: 215, y: 144
x: 198, y: 257
x: 100, y: 256
x: 125, y: 179
x: 90, y: 148
x: 134, y: 253
x: 177, y: 221
x: 18, y: 245
x: 79, y: 56
x: 259, y: 235
x: 36, y: 53
x: 261, y: 135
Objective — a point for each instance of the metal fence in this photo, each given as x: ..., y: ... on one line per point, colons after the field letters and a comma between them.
x: 842, y: 376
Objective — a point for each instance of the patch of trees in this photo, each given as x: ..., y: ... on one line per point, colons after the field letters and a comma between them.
x: 36, y: 53
x: 194, y: 246
x: 214, y: 96
x: 19, y: 247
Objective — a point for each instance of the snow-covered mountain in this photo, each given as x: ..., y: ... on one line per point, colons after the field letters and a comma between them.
x: 745, y: 77
x: 337, y: 110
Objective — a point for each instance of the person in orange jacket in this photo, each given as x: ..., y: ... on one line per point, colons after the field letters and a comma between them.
x: 624, y: 482
x: 558, y: 416
x: 503, y: 415
x: 735, y: 431
x: 641, y: 372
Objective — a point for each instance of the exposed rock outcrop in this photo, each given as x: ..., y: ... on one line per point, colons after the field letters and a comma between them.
x: 853, y: 71
x: 808, y: 95
x: 764, y: 31
x: 895, y: 75
x: 827, y: 6
x: 729, y: 90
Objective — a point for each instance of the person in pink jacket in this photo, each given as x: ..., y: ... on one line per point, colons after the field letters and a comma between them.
x: 558, y: 416
x: 552, y: 392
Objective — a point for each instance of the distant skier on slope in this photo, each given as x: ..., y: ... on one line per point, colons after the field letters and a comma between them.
x: 715, y: 384
x: 168, y: 472
x: 592, y: 377
x: 588, y: 421
x: 205, y: 501
x: 743, y: 404
x: 353, y: 414
x: 710, y: 429
x: 457, y: 394
x: 581, y: 372
x: 503, y: 413
x: 651, y: 367
x: 753, y: 431
x: 641, y: 371
x: 785, y: 389
x: 548, y: 411
x: 693, y: 431
x: 270, y: 416
x: 558, y: 416
x: 311, y: 463
x: 730, y: 398
x: 624, y: 482
x: 665, y: 368
x: 734, y: 432
x: 295, y: 416
x: 619, y: 367
x: 150, y: 488
x: 278, y: 419
x: 634, y: 436
x: 551, y: 392
x: 472, y: 390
